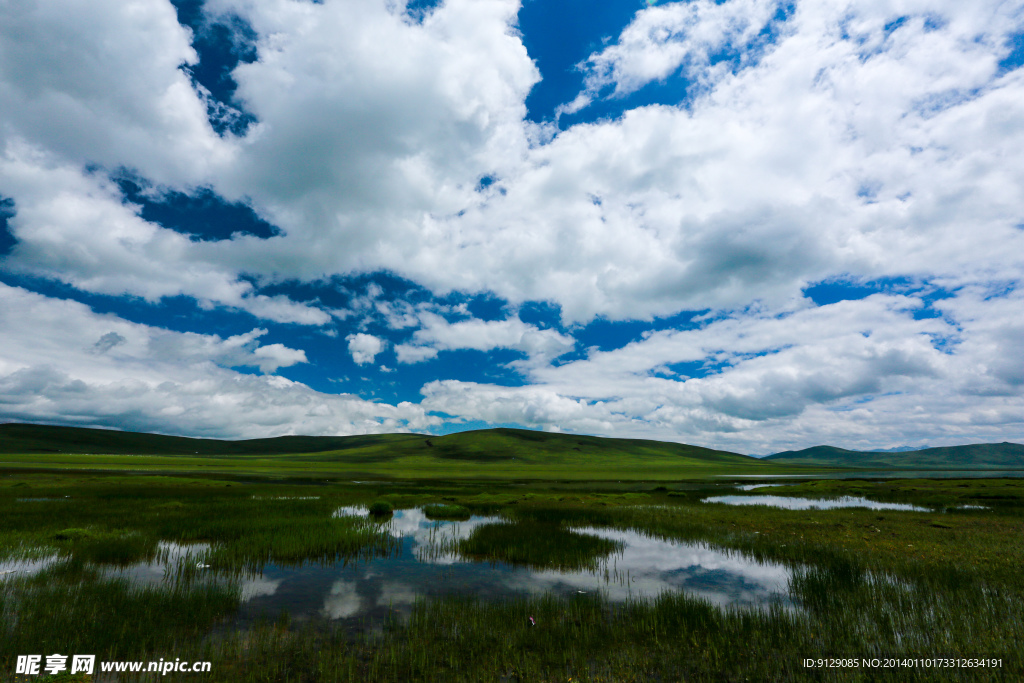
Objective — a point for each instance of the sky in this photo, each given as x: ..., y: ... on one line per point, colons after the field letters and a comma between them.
x: 749, y: 225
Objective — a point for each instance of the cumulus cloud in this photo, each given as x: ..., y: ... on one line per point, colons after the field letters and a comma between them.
x: 235, y: 351
x: 409, y: 353
x: 850, y: 371
x: 369, y: 122
x: 73, y: 225
x: 364, y: 347
x: 438, y: 334
x: 162, y: 381
x: 663, y: 38
x: 100, y: 83
x: 873, y: 139
x: 846, y: 148
x: 864, y: 141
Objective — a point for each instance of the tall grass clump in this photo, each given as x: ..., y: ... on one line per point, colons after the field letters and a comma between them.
x: 536, y: 544
x: 447, y: 512
x: 381, y: 508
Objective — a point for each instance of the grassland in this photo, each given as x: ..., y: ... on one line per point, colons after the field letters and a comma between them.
x: 29, y: 438
x: 493, y: 454
x: 867, y: 583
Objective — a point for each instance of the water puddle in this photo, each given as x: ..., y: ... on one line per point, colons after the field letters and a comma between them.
x: 10, y: 569
x: 793, y: 503
x: 169, y: 560
x: 428, y: 563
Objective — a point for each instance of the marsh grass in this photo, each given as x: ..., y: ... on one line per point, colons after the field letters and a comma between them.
x: 122, y: 525
x: 537, y: 544
x: 72, y: 607
x: 864, y: 584
x: 585, y: 638
x: 98, y: 547
x: 381, y: 508
x: 447, y: 512
x: 252, y: 543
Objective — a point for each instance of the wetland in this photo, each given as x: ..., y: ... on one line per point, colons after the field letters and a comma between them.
x: 513, y: 581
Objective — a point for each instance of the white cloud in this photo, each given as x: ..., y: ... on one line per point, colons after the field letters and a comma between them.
x: 73, y: 226
x: 862, y: 373
x: 370, y: 122
x: 843, y: 150
x: 364, y: 347
x: 235, y: 351
x: 811, y: 163
x: 992, y: 338
x: 530, y: 405
x: 663, y: 38
x: 826, y: 157
x: 61, y: 364
x: 437, y: 334
x: 99, y: 83
x: 408, y: 353
x: 343, y: 601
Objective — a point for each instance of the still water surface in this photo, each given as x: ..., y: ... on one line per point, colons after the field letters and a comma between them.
x: 425, y: 565
x: 793, y: 503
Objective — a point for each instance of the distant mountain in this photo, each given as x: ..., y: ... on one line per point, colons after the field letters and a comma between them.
x: 1004, y: 455
x: 28, y: 438
x: 478, y: 454
x: 478, y: 446
x: 901, y: 449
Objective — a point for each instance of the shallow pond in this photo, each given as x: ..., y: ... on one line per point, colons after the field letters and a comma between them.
x: 426, y: 562
x: 794, y: 503
x: 12, y: 568
x: 428, y: 565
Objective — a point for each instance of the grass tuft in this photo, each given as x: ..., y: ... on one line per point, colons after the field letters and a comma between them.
x: 537, y: 544
x: 447, y: 512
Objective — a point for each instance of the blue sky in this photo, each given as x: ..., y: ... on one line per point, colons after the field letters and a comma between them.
x: 750, y: 224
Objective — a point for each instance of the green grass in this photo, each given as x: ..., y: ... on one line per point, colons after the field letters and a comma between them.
x: 447, y: 511
x: 26, y: 438
x: 69, y: 609
x: 117, y: 521
x: 870, y: 583
x: 536, y: 544
x: 494, y: 454
x: 379, y: 508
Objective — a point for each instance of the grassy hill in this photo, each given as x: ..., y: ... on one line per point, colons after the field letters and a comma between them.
x: 27, y: 438
x: 490, y: 453
x: 974, y: 456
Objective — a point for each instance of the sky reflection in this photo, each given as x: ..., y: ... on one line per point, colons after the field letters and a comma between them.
x: 428, y: 564
x: 793, y: 503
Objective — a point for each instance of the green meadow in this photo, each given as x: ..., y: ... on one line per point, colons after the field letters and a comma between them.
x: 498, y: 454
x: 865, y: 584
